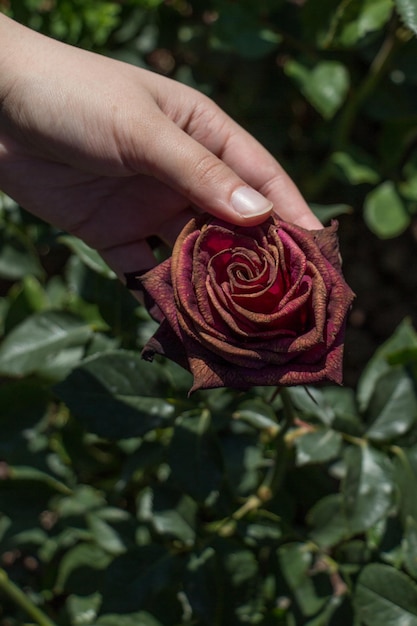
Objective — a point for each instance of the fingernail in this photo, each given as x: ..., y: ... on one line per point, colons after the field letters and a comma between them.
x: 249, y: 203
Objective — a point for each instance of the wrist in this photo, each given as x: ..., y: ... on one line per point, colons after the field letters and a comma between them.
x: 8, y: 52
x: 11, y: 51
x: 17, y: 55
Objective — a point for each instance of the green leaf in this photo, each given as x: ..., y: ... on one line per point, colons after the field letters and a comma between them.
x: 33, y: 474
x: 344, y: 22
x: 17, y: 255
x: 23, y: 407
x: 170, y: 513
x: 384, y: 595
x: 201, y: 583
x: 258, y: 414
x: 220, y: 580
x: 90, y: 257
x: 149, y: 455
x: 384, y: 211
x: 141, y: 618
x: 325, y: 86
x: 312, y: 402
x: 31, y: 537
x: 30, y: 345
x: 325, y: 616
x: 180, y: 379
x: 317, y: 20
x: 398, y: 130
x: 403, y: 356
x: 82, y: 610
x: 83, y: 499
x: 403, y: 337
x: 410, y: 547
x: 105, y: 536
x: 116, y: 395
x: 343, y: 403
x: 317, y: 447
x: 5, y: 524
x: 355, y: 170
x: 86, y: 24
x: 407, y: 10
x: 58, y: 366
x: 405, y: 468
x: 328, y: 521
x: 368, y: 488
x: 116, y: 305
x: 242, y: 462
x: 240, y: 565
x: 79, y: 569
x: 263, y: 530
x: 393, y: 407
x: 195, y: 458
x: 408, y: 189
x: 135, y: 578
x: 361, y: 17
x: 24, y: 299
x: 325, y: 213
x: 354, y: 553
x: 296, y: 562
x: 239, y: 29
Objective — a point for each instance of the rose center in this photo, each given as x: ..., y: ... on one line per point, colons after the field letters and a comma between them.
x: 243, y: 273
x: 250, y: 278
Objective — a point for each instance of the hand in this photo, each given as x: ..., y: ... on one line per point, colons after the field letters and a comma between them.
x: 113, y: 154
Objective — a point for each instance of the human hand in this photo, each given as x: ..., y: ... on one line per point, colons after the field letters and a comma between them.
x: 114, y: 154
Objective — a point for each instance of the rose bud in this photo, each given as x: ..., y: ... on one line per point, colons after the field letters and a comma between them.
x: 242, y: 306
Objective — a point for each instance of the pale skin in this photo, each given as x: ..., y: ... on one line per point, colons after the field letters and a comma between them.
x: 113, y: 153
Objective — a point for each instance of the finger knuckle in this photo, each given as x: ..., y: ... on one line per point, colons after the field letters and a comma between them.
x: 209, y: 171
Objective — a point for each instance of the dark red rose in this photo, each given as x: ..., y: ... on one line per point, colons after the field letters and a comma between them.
x: 263, y: 305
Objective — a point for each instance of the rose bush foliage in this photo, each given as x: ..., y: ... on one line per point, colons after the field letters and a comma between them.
x: 262, y: 305
x: 123, y: 501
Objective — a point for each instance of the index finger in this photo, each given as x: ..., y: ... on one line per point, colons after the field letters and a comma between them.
x: 252, y: 162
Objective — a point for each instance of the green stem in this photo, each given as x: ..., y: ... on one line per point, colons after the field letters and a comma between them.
x: 274, y: 477
x: 356, y: 441
x: 377, y: 70
x: 18, y: 597
x: 289, y: 410
x: 276, y: 474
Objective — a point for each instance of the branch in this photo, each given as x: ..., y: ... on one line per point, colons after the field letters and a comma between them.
x: 20, y: 599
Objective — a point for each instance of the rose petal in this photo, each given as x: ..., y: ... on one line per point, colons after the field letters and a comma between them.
x: 265, y: 305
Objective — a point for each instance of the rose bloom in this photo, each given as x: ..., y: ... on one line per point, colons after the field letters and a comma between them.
x: 242, y: 306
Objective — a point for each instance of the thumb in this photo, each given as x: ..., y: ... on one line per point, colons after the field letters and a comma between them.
x: 191, y: 169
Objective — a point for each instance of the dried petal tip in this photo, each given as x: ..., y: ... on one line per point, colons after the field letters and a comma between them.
x: 262, y: 305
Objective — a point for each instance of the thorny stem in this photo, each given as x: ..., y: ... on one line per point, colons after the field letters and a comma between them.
x: 274, y: 477
x: 21, y: 599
